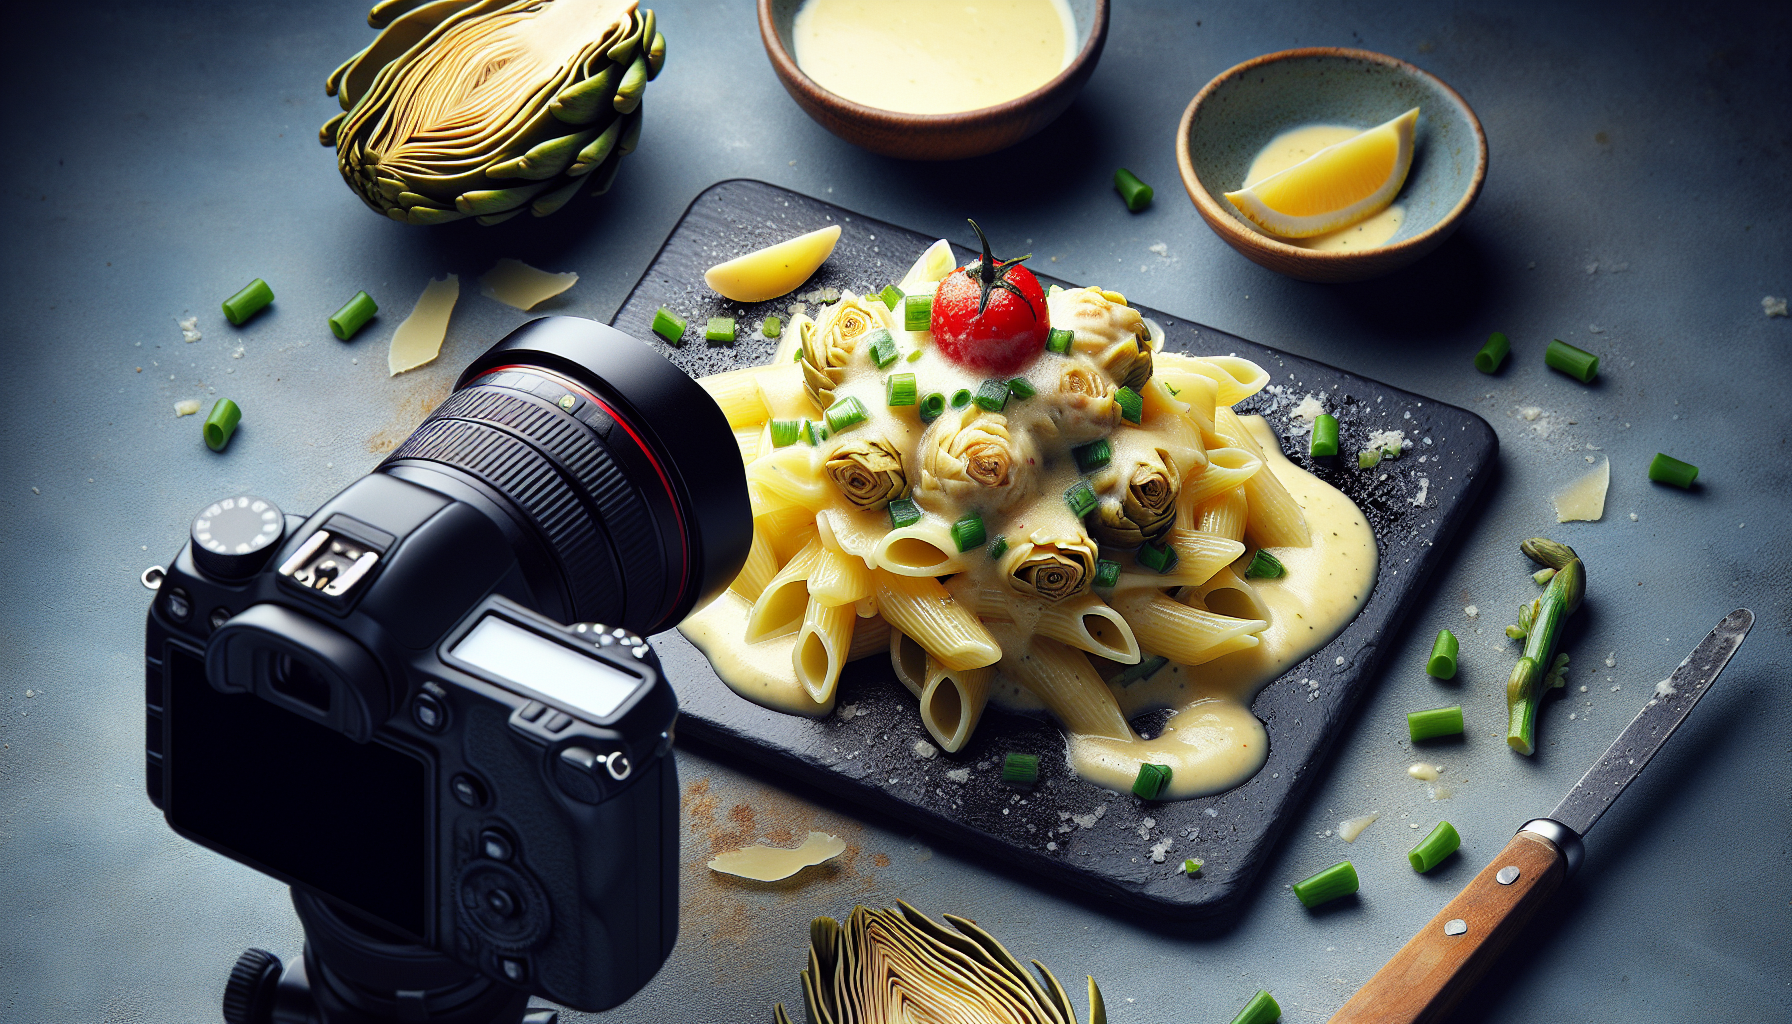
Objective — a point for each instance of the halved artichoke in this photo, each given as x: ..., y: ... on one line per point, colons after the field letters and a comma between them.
x: 484, y: 108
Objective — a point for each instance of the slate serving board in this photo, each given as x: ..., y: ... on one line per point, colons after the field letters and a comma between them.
x: 1064, y: 832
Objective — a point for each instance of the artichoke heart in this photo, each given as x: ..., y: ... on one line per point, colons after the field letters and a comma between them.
x: 832, y: 342
x: 1108, y: 331
x: 1052, y: 568
x: 868, y: 473
x: 973, y: 459
x: 485, y: 108
x: 1146, y: 509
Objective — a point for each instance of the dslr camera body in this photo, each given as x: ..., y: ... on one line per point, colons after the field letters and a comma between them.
x: 381, y: 704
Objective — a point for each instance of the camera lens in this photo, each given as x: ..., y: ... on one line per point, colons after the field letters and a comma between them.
x: 619, y: 474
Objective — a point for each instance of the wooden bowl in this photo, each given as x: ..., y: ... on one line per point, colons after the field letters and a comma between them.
x: 1240, y: 111
x: 933, y: 136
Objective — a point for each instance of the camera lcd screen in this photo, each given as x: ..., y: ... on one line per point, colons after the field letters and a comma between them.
x: 553, y: 670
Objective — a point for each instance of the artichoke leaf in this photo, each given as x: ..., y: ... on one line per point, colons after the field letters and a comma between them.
x: 383, y: 12
x: 544, y: 161
x: 548, y: 202
x: 597, y: 151
x: 624, y: 50
x: 606, y: 175
x: 497, y: 218
x: 631, y: 135
x: 1098, y: 1007
x: 1060, y: 999
x: 656, y: 57
x: 628, y: 94
x: 327, y: 134
x: 431, y: 215
x: 497, y: 200
x: 335, y: 80
x: 579, y: 103
x: 400, y: 36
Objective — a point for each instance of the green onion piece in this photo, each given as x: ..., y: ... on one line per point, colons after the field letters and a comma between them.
x: 1577, y: 363
x: 1020, y: 388
x: 1265, y: 566
x: 1145, y: 669
x: 961, y: 398
x: 913, y: 357
x: 1542, y: 576
x: 1429, y: 725
x: 772, y: 327
x: 1325, y: 436
x: 1262, y: 1009
x: 847, y: 412
x: 1021, y: 768
x: 882, y: 347
x: 812, y: 432
x: 967, y: 532
x: 1368, y: 459
x: 998, y: 547
x: 1335, y: 881
x: 796, y: 354
x: 991, y: 396
x: 900, y: 390
x: 1059, y: 339
x: 1136, y: 193
x: 932, y: 406
x: 1080, y: 498
x: 892, y: 296
x: 1665, y: 469
x: 1517, y: 632
x: 221, y: 423
x: 669, y: 325
x: 251, y: 300
x: 1493, y: 353
x: 1094, y: 455
x: 353, y: 316
x: 1159, y: 558
x: 720, y: 330
x: 1442, y: 664
x: 1151, y: 781
x: 917, y: 313
x: 786, y: 432
x: 903, y: 511
x: 1107, y: 573
x: 1132, y: 406
x: 1432, y: 850
x: 1191, y: 866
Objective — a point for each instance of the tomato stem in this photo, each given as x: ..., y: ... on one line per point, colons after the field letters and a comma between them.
x: 992, y: 274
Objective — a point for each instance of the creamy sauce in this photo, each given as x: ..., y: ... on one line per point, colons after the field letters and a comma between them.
x: 1290, y: 148
x: 933, y: 56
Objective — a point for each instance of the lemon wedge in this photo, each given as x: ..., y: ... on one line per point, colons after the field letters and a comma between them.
x: 1335, y: 187
x: 774, y: 270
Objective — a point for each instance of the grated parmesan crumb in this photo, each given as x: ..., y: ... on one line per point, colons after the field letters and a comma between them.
x: 1471, y: 611
x: 1159, y: 849
x: 186, y: 407
x: 959, y: 775
x: 924, y: 750
x: 1772, y: 306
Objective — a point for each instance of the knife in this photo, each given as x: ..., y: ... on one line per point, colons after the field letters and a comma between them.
x: 1444, y: 960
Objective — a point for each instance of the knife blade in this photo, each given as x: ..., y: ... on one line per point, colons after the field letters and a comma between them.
x: 1443, y: 961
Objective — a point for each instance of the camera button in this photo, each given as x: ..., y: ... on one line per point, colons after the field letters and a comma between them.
x: 430, y: 714
x: 531, y: 711
x: 501, y: 902
x: 513, y: 969
x: 495, y: 844
x: 178, y: 604
x: 559, y: 721
x: 467, y: 790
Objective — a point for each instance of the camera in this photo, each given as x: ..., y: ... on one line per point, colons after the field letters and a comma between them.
x: 428, y: 706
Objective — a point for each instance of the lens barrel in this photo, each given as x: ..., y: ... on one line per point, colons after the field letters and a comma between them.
x: 615, y: 466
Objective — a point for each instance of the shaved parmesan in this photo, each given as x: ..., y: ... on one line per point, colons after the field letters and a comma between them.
x: 515, y: 283
x: 186, y: 407
x: 771, y: 863
x: 418, y: 340
x: 1424, y: 771
x: 1349, y: 830
x: 1584, y: 499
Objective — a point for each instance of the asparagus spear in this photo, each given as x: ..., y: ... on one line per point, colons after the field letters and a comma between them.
x: 1533, y: 674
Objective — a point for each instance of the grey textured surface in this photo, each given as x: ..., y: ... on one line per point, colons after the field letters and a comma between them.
x: 1639, y: 183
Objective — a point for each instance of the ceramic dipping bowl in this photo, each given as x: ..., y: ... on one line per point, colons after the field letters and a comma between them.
x: 1239, y: 112
x: 953, y: 136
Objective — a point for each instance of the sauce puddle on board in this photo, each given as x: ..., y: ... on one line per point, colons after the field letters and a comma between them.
x: 1290, y: 148
x: 933, y: 56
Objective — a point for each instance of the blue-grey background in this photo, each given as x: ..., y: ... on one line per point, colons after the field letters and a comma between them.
x: 159, y: 156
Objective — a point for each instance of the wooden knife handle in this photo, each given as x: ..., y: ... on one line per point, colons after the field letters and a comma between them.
x: 1435, y: 968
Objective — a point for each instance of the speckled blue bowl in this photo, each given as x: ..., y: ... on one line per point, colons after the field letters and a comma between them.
x: 1238, y: 113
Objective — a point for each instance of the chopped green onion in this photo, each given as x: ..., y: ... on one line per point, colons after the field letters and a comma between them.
x: 913, y: 357
x: 787, y: 432
x: 1145, y: 669
x: 991, y: 396
x: 1132, y: 406
x: 720, y: 330
x: 353, y: 316
x: 669, y: 325
x: 998, y: 547
x: 796, y: 354
x: 772, y: 327
x: 932, y: 406
x: 1442, y: 664
x: 961, y: 398
x: 1021, y: 388
x: 1432, y: 850
x: 1429, y: 725
x: 1107, y: 573
x: 1094, y: 455
x: 847, y: 412
x: 1022, y: 768
x: 1368, y: 459
x: 917, y: 313
x: 1335, y: 881
x: 1160, y: 558
x: 967, y: 532
x: 1136, y: 193
x: 1325, y: 436
x: 1265, y: 566
x: 1081, y: 499
x: 1059, y: 339
x: 1151, y: 781
x: 251, y: 300
x: 882, y: 347
x: 1493, y: 353
x: 1191, y: 866
x: 812, y: 433
x: 1665, y: 469
x: 903, y: 511
x: 221, y: 423
x: 1517, y: 632
x: 892, y: 296
x: 1542, y: 576
x: 1577, y: 363
x: 1262, y: 1009
x: 900, y: 390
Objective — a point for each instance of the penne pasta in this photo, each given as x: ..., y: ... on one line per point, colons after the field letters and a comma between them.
x: 1235, y: 379
x: 784, y: 397
x: 1273, y: 519
x: 1062, y: 678
x: 921, y: 608
x: 1087, y: 623
x: 737, y: 393
x: 908, y: 660
x: 822, y: 646
x: 1223, y: 514
x: 922, y: 548
x: 952, y: 701
x: 780, y: 606
x: 747, y: 439
x: 1192, y: 389
x: 1167, y: 419
x: 1227, y: 469
x: 1198, y: 556
x: 1185, y: 635
x: 1227, y: 593
x: 794, y: 474
x: 869, y: 636
x: 839, y: 578
x: 762, y: 565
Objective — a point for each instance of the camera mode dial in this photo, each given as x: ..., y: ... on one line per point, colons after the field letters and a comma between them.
x: 233, y: 538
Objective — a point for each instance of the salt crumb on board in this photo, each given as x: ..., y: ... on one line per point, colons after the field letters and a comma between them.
x: 1471, y: 611
x: 189, y: 326
x: 1772, y: 306
x: 924, y: 750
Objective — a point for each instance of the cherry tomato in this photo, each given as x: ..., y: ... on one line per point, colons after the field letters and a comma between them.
x: 990, y: 315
